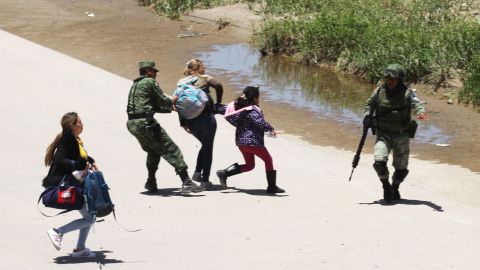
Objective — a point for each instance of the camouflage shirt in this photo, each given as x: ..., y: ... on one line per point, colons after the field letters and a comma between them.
x: 146, y: 96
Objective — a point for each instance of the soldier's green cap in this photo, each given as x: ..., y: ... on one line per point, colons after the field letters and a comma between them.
x: 147, y: 64
x: 395, y: 71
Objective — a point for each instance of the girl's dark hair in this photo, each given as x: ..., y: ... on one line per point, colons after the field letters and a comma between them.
x: 247, y: 98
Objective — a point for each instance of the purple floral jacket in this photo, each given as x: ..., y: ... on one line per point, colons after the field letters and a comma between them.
x: 250, y: 124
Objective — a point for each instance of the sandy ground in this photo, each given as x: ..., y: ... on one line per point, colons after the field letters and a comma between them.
x: 322, y: 222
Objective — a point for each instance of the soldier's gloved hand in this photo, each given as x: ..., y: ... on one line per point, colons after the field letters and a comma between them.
x: 80, y: 164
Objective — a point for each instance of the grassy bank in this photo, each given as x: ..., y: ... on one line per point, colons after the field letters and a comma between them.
x: 432, y: 39
x: 435, y: 40
x: 174, y: 8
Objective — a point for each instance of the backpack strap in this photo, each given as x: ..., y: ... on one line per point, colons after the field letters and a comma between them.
x: 188, y: 80
x: 127, y: 230
x: 87, y: 193
x: 62, y: 212
x: 131, y: 95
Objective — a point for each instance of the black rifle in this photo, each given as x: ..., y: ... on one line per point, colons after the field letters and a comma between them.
x: 371, y: 125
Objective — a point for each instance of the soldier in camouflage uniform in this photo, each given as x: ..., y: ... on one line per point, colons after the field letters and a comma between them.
x: 392, y: 104
x: 144, y: 100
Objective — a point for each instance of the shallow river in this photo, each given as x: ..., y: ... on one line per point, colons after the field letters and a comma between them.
x: 312, y: 89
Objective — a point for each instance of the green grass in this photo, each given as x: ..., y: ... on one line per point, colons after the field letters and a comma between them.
x: 430, y: 38
x: 471, y: 89
x: 172, y: 9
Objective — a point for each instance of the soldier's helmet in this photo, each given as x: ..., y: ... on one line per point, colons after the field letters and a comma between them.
x: 395, y: 71
x: 147, y: 64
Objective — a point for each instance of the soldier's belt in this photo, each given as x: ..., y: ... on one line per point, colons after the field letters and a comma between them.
x: 137, y: 116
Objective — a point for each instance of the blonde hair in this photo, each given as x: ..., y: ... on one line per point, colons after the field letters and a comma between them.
x: 192, y: 67
x: 68, y: 120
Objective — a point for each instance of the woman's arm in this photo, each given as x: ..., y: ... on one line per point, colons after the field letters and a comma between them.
x: 218, y: 89
x: 61, y: 160
x: 174, y: 102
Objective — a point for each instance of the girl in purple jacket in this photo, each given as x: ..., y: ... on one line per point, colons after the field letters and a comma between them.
x: 246, y: 116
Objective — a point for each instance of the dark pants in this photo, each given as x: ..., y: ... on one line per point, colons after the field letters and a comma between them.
x: 204, y: 128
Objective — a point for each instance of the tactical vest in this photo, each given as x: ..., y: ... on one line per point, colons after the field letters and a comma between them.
x: 393, y: 113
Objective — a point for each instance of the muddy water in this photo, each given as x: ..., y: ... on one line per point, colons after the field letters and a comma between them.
x: 310, y: 89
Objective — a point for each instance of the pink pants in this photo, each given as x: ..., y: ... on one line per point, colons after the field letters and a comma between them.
x: 249, y: 153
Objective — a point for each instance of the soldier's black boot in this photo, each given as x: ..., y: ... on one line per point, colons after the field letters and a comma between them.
x: 382, y: 172
x: 230, y: 171
x: 151, y: 184
x: 272, y: 183
x: 396, y: 193
x: 187, y: 184
x: 387, y: 191
x: 397, y: 178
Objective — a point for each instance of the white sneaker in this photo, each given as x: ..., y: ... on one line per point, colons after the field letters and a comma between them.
x: 84, y: 253
x: 56, y: 238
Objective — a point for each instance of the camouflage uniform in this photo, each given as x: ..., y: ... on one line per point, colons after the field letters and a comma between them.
x: 145, y: 99
x: 393, y: 121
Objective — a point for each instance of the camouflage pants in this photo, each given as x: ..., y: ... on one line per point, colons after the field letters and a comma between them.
x: 399, y: 144
x: 156, y: 146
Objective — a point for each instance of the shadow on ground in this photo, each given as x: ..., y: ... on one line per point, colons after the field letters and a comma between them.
x: 215, y: 188
x: 434, y: 206
x: 101, y: 259
x: 253, y: 192
x: 169, y: 192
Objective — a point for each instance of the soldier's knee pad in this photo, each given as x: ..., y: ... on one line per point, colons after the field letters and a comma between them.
x: 381, y: 169
x: 399, y: 175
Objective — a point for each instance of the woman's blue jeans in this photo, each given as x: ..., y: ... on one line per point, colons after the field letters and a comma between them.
x: 83, y: 224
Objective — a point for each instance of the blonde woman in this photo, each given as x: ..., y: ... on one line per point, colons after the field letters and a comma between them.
x: 204, y: 126
x: 64, y: 156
